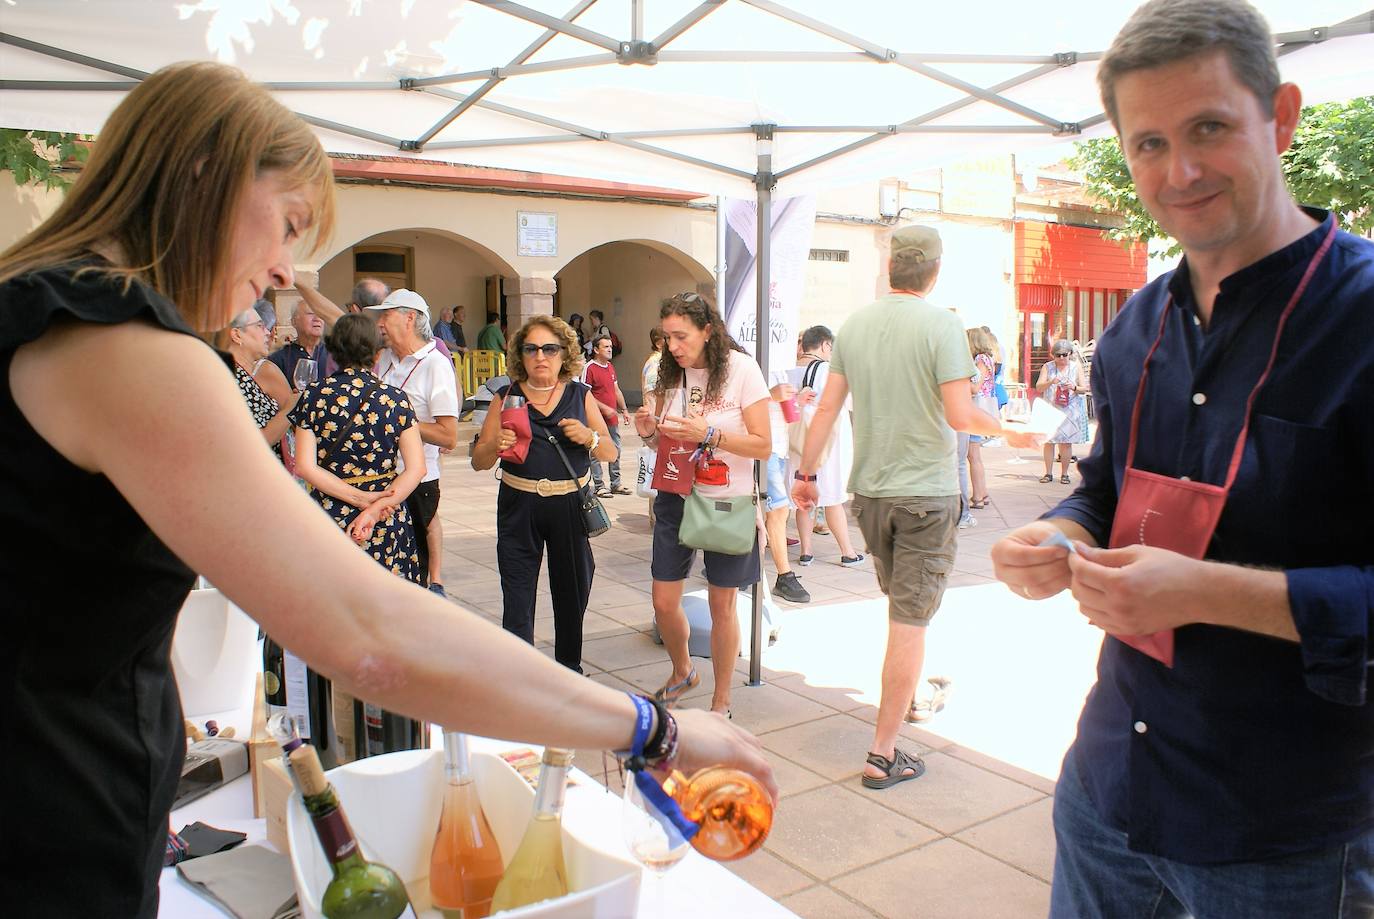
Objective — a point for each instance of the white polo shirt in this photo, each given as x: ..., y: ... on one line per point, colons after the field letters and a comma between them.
x: 428, y: 380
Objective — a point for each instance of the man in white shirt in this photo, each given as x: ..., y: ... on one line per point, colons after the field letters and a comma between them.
x: 412, y: 362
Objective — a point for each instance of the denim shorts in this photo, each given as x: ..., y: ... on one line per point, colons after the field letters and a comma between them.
x: 778, y: 492
x: 673, y: 561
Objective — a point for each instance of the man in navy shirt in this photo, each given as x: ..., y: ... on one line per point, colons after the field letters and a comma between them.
x: 1224, y: 763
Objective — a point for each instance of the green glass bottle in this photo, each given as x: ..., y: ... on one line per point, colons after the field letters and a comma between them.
x: 359, y: 889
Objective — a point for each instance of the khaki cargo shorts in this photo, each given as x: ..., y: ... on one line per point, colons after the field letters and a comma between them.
x: 911, y: 542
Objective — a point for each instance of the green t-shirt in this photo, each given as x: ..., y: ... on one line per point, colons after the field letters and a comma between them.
x: 491, y: 339
x: 895, y: 353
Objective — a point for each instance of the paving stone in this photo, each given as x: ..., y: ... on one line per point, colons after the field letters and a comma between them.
x: 622, y: 651
x: 831, y: 830
x: 791, y: 778
x: 758, y: 709
x: 770, y: 874
x: 952, y: 795
x: 836, y: 697
x: 821, y: 902
x: 946, y: 880
x: 835, y: 747
x: 1024, y: 838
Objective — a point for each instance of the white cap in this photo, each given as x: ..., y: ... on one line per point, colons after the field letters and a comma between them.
x: 407, y: 299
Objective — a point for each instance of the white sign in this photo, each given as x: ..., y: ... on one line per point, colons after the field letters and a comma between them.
x: 794, y: 219
x: 536, y: 234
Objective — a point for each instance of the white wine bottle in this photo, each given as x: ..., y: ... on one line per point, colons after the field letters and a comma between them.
x: 359, y: 889
x: 537, y: 872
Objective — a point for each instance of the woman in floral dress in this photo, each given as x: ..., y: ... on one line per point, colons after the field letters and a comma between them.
x: 1063, y: 382
x: 359, y: 449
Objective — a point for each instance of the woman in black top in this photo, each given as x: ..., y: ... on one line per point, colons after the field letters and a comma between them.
x: 538, y: 505
x: 130, y: 461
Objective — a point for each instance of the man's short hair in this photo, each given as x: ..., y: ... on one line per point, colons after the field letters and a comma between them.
x: 1164, y: 31
x: 597, y: 315
x: 369, y: 292
x: 816, y: 336
x: 915, y: 259
x: 596, y: 342
x: 492, y: 317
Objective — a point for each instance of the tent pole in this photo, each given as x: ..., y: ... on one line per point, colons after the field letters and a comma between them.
x: 763, y: 213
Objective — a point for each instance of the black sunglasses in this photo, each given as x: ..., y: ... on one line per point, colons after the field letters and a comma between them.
x: 550, y: 350
x: 1061, y: 353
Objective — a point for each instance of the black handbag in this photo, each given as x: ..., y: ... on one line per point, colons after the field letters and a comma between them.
x: 595, y: 520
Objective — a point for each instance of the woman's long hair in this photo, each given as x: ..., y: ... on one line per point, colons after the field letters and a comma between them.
x: 702, y: 314
x: 165, y: 180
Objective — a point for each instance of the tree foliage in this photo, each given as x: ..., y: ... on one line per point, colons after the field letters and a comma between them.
x: 1330, y: 165
x: 34, y: 156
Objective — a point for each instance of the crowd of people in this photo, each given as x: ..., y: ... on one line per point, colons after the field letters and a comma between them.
x: 1222, y: 762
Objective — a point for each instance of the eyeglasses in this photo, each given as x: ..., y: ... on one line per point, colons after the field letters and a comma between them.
x: 1061, y: 354
x: 550, y: 350
x: 249, y: 325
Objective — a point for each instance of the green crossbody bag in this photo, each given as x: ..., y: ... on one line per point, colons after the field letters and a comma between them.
x: 725, y: 525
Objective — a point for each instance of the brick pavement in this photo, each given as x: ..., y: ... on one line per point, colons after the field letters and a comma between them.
x: 971, y: 838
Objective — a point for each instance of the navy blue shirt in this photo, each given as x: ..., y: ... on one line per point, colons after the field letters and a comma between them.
x: 286, y: 357
x: 1250, y: 747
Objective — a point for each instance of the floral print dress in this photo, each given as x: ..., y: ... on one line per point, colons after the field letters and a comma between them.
x: 370, y: 415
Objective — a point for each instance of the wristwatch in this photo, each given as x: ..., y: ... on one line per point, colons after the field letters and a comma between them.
x: 803, y: 478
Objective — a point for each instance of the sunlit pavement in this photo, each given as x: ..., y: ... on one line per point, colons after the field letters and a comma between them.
x: 970, y: 838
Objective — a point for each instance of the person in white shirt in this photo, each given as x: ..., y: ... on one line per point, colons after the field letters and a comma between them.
x: 412, y: 362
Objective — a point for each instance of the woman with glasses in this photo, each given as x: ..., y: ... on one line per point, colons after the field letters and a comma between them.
x: 709, y: 393
x: 1063, y: 382
x: 244, y: 346
x: 538, y: 508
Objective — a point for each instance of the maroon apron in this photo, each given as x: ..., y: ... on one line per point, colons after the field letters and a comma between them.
x: 1179, y: 514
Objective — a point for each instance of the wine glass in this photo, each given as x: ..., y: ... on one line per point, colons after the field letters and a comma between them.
x: 647, y: 839
x: 304, y: 374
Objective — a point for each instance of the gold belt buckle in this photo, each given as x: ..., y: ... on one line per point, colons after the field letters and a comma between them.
x: 544, y: 488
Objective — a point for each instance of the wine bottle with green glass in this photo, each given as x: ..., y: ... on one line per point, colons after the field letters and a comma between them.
x: 360, y: 889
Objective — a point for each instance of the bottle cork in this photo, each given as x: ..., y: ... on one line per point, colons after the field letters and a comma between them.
x: 553, y: 756
x: 193, y: 730
x: 305, y: 763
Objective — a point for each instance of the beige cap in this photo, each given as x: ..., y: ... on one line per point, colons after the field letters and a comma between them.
x: 916, y: 243
x: 402, y: 298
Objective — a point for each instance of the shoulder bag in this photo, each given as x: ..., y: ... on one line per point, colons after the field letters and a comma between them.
x: 796, y: 431
x: 725, y: 525
x: 595, y: 520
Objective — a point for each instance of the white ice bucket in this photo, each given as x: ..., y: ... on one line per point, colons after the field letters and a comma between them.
x: 214, y: 655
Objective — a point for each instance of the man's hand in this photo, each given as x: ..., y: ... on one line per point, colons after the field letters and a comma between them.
x: 805, y: 495
x: 1135, y: 590
x: 1028, y: 568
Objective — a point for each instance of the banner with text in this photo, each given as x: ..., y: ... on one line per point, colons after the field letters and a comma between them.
x: 794, y: 220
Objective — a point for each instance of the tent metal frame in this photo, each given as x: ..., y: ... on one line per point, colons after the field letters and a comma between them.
x: 636, y: 51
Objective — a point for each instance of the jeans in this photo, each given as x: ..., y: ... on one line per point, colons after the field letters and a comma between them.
x: 961, y: 447
x: 1097, y: 877
x: 614, y: 425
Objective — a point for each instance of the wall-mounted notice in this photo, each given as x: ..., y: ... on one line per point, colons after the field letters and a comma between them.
x: 536, y: 233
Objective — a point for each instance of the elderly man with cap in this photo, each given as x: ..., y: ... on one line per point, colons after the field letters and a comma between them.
x: 412, y: 362
x: 907, y: 364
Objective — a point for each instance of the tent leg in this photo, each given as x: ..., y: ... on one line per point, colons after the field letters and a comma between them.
x: 762, y: 302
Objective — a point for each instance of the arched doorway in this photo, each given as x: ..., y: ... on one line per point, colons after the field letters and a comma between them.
x: 627, y: 280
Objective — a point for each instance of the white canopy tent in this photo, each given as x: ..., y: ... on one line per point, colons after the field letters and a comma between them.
x: 747, y: 98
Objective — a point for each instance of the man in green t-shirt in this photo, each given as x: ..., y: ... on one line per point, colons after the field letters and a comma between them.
x: 491, y: 338
x: 907, y: 365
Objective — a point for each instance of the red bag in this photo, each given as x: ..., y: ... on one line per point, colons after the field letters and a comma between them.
x: 517, y: 420
x: 1063, y: 395
x: 674, y: 471
x: 714, y: 472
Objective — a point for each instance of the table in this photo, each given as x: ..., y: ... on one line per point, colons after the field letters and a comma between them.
x: 695, y: 887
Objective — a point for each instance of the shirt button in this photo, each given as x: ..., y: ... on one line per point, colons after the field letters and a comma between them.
x: 1197, y: 320
x: 1184, y: 478
x: 1141, y: 727
x: 1199, y: 398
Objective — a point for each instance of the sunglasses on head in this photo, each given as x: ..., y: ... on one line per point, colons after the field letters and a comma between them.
x: 550, y: 350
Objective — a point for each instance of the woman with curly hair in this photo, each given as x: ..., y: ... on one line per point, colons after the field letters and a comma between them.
x: 538, y: 506
x: 709, y: 392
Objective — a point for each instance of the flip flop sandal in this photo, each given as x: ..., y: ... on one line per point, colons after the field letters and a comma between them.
x: 669, y: 693
x: 901, y: 767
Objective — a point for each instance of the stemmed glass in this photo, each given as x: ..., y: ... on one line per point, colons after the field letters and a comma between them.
x: 1018, y: 410
x: 304, y: 374
x: 647, y: 839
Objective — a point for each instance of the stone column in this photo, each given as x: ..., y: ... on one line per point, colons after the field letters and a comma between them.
x: 526, y: 297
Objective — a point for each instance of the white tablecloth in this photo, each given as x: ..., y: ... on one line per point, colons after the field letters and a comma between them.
x: 694, y: 887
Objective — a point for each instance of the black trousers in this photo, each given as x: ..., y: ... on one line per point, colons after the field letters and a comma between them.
x: 423, y: 504
x: 526, y: 525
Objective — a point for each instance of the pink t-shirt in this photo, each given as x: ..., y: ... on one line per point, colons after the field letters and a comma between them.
x: 744, y: 385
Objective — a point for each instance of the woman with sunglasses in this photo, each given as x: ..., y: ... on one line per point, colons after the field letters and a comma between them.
x: 244, y: 347
x: 1063, y: 382
x: 538, y: 507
